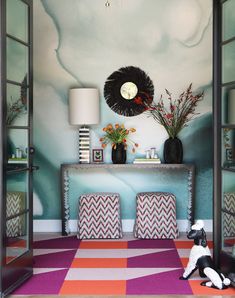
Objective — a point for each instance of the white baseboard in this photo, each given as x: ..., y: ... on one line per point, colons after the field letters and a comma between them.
x: 54, y: 225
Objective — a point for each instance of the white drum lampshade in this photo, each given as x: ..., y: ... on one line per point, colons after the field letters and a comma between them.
x: 84, y: 106
x: 84, y: 110
x: 231, y: 106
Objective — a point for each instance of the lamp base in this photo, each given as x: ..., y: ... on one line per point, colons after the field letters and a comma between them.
x: 84, y: 144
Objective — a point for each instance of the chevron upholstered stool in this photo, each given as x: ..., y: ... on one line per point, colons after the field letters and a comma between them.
x: 99, y: 216
x: 156, y: 216
x: 15, y: 204
x: 228, y: 220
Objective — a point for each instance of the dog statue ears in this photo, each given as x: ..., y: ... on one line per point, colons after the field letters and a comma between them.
x: 201, y: 236
x: 203, y: 240
x: 198, y: 225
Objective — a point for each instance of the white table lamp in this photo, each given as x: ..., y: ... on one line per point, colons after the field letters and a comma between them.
x: 84, y: 110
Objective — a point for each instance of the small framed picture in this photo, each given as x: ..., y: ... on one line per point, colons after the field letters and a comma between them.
x: 97, y: 155
x: 229, y: 154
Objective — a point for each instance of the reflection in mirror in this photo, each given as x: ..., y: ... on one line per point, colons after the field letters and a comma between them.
x: 17, y: 19
x: 228, y: 148
x: 17, y: 104
x: 17, y: 151
x: 17, y: 61
x: 17, y: 237
x: 16, y: 223
x: 228, y: 19
x: 228, y: 63
x: 228, y: 244
x: 17, y: 191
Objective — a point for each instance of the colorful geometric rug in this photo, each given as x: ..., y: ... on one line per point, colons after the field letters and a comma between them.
x: 68, y: 266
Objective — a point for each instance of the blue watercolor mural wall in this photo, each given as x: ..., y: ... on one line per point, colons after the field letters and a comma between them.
x: 79, y: 44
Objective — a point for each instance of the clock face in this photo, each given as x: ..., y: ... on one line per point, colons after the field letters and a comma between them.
x: 129, y: 90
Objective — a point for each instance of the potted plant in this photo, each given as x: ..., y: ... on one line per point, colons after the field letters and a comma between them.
x: 174, y: 118
x: 119, y: 137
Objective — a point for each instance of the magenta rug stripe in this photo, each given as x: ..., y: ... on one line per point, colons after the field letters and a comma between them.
x: 44, y: 283
x: 60, y: 243
x: 55, y: 260
x: 151, y: 243
x: 165, y: 259
x: 166, y: 283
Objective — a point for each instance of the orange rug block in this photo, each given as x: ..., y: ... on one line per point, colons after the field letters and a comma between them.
x: 94, y: 287
x: 99, y: 263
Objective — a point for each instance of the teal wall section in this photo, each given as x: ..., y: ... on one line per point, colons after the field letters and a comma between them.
x: 79, y: 44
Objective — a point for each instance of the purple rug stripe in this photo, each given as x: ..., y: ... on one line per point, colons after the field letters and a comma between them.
x: 55, y: 260
x: 60, y: 243
x: 43, y: 283
x: 165, y: 259
x: 151, y: 243
x: 166, y: 283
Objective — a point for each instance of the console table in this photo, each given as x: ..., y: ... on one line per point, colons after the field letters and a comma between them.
x: 65, y: 207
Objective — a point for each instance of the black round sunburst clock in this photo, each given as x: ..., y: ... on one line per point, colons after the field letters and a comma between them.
x: 122, y: 88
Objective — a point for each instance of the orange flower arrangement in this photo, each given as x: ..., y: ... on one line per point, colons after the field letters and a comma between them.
x: 117, y: 134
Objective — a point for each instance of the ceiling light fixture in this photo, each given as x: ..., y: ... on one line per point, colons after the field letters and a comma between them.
x: 107, y: 3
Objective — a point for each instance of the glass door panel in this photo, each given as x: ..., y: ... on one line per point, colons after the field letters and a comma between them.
x: 17, y: 61
x: 228, y: 236
x: 17, y: 147
x: 17, y: 241
x: 17, y: 103
x: 17, y: 214
x: 228, y: 185
x: 17, y: 188
x: 228, y: 148
x: 17, y: 19
x: 228, y: 20
x: 228, y: 62
x: 228, y: 105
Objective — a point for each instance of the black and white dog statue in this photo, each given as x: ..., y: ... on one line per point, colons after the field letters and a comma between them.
x: 200, y: 258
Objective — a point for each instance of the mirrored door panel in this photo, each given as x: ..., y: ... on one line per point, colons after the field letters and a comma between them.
x: 17, y: 241
x: 17, y: 215
x: 227, y: 184
x: 228, y: 105
x: 17, y: 190
x: 228, y: 148
x: 228, y: 19
x: 17, y: 105
x: 17, y: 97
x: 228, y: 63
x: 17, y: 61
x: 17, y: 148
x: 228, y: 236
x: 17, y: 19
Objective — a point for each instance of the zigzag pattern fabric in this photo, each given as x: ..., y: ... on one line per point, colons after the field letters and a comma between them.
x: 14, y: 205
x: 229, y: 220
x: 99, y: 216
x: 156, y: 216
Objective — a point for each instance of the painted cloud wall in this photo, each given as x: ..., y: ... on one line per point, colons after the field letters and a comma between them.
x: 79, y: 44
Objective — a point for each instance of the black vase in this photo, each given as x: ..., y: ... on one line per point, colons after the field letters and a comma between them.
x: 173, y: 151
x: 119, y: 154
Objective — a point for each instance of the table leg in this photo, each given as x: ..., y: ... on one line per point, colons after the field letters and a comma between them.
x: 65, y: 208
x: 191, y: 197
